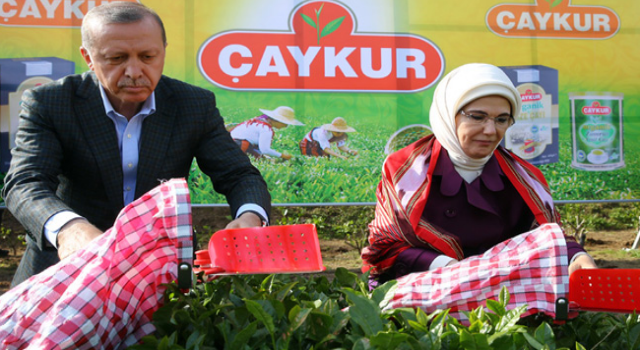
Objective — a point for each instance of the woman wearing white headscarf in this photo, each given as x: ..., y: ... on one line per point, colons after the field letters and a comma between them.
x: 457, y: 193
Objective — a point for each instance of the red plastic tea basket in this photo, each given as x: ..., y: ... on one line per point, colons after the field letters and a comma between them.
x: 262, y: 250
x: 605, y: 290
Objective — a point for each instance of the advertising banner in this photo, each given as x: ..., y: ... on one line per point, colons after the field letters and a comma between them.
x: 360, y: 75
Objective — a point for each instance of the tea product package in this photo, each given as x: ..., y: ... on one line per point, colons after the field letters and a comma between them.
x: 596, y: 120
x: 16, y: 76
x: 534, y: 136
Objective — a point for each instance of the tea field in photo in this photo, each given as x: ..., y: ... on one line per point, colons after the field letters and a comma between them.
x: 331, y: 180
x: 568, y: 183
x: 318, y: 180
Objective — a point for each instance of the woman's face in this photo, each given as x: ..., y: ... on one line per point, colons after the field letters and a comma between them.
x: 478, y: 140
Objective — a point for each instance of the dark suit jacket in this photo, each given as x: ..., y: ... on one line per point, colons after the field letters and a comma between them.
x: 67, y: 157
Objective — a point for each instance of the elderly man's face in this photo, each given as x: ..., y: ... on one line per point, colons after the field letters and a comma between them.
x: 128, y: 60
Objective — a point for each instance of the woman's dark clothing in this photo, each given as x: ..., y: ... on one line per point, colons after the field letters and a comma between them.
x: 482, y: 214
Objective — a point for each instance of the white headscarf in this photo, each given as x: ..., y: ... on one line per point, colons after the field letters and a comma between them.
x: 458, y: 88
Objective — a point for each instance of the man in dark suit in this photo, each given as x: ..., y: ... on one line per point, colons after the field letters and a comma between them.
x: 89, y: 144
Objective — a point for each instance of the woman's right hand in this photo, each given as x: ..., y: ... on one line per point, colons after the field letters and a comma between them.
x: 584, y: 261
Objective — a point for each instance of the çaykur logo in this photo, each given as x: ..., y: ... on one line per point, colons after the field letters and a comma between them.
x: 530, y: 96
x: 47, y: 13
x: 596, y: 109
x: 322, y: 52
x: 553, y: 19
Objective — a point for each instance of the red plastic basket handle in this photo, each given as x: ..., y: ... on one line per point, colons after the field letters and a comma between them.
x: 272, y: 249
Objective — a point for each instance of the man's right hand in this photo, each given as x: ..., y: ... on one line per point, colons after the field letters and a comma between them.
x: 75, y: 235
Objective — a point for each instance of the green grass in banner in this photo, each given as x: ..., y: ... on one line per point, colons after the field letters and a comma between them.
x: 311, y: 179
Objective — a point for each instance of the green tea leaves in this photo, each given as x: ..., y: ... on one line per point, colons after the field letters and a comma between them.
x: 331, y: 26
x: 310, y: 312
x: 554, y: 3
x: 322, y: 31
x: 309, y: 20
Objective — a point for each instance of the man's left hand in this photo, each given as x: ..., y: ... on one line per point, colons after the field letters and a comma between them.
x: 247, y: 219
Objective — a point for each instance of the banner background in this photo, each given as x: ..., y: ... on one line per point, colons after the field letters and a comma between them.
x: 458, y: 29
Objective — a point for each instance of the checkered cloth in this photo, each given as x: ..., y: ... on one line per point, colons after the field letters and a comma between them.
x: 103, y: 297
x: 533, y: 266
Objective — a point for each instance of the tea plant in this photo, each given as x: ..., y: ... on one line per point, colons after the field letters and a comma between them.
x: 332, y: 222
x: 358, y: 240
x: 576, y: 221
x: 313, y: 312
x: 11, y: 239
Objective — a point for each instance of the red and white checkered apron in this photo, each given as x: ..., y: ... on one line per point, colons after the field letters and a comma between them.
x: 533, y: 266
x: 103, y: 297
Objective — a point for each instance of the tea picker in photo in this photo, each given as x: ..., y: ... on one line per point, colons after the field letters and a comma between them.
x: 255, y: 136
x: 317, y: 143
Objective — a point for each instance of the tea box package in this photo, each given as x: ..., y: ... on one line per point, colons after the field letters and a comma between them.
x: 534, y: 136
x: 597, y: 130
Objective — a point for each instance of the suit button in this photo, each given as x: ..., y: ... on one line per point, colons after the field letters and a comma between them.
x: 450, y: 213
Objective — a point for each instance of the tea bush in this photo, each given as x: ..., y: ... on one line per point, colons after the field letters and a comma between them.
x: 339, y: 222
x: 350, y: 222
x: 585, y: 217
x: 11, y: 239
x: 312, y: 312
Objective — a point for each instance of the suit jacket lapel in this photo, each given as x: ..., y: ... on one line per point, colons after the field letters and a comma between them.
x: 156, y: 137
x: 101, y: 137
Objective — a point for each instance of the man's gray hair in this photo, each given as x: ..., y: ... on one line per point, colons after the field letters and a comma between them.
x: 117, y: 12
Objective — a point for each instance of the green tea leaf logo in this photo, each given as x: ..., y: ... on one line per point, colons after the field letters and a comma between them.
x: 554, y: 3
x: 328, y: 29
x: 331, y: 26
x: 308, y: 20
